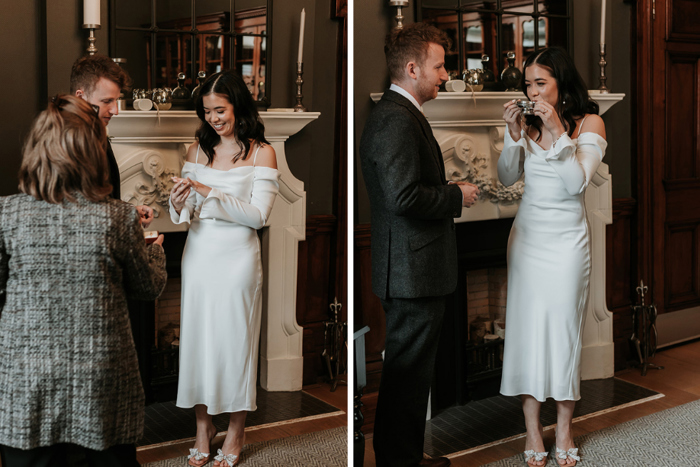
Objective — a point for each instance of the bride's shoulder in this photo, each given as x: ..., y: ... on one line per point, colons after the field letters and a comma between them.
x: 192, y: 152
x: 592, y: 123
x: 266, y: 156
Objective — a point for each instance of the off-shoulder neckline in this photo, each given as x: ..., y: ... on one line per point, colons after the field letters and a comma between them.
x: 232, y: 168
x: 572, y: 139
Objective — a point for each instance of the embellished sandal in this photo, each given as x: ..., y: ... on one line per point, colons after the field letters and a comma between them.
x: 198, y: 457
x: 563, y: 455
x: 530, y: 454
x: 230, y: 459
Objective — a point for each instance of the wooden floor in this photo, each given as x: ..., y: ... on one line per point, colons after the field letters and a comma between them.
x: 337, y: 399
x: 679, y: 382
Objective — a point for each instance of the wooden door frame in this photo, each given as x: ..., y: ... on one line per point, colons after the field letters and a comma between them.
x: 645, y: 103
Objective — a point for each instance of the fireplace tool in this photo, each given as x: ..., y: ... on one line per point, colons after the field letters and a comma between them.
x: 644, y: 336
x: 335, y: 345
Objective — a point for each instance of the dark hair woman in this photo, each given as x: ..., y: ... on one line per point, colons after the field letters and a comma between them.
x: 249, y: 129
x: 225, y: 195
x: 573, y: 99
x: 70, y: 256
x: 559, y: 149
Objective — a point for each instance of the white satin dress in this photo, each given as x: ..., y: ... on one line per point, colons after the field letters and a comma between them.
x: 222, y: 285
x: 548, y: 264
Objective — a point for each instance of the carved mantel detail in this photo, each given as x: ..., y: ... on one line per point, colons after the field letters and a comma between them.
x: 156, y: 191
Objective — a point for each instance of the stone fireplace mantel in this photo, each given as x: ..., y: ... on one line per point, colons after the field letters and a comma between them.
x: 470, y: 131
x: 151, y: 146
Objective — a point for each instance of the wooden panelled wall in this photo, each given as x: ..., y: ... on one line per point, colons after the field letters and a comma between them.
x: 322, y: 270
x: 621, y: 273
x: 316, y: 289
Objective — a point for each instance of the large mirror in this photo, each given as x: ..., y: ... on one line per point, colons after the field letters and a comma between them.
x: 496, y: 27
x: 161, y: 38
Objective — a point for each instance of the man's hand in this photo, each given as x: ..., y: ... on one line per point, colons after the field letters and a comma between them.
x: 145, y: 215
x: 470, y: 193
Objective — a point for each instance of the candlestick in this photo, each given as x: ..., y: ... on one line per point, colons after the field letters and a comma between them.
x: 301, y: 36
x: 300, y: 81
x: 91, y: 21
x: 602, y: 22
x: 399, y: 15
x: 603, y: 88
x: 91, y: 12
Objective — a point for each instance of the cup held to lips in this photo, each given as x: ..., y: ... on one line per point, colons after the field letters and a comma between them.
x: 455, y: 85
x: 526, y: 107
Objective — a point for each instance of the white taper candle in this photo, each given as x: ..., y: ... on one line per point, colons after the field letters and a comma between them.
x: 301, y: 36
x: 602, y: 22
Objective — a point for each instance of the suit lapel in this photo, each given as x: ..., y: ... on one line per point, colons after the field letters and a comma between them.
x: 425, y: 126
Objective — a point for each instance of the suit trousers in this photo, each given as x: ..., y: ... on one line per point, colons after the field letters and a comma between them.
x: 69, y: 455
x: 412, y: 334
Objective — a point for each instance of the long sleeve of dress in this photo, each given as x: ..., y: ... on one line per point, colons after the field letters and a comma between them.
x: 188, y: 210
x: 219, y: 205
x: 144, y: 266
x: 512, y: 159
x: 576, y: 163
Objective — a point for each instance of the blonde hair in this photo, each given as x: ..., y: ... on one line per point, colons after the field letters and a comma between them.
x: 65, y: 153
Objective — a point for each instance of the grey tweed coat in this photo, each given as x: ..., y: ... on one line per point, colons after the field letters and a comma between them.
x: 68, y: 367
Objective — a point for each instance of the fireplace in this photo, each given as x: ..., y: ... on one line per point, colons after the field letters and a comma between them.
x: 150, y: 147
x: 470, y: 129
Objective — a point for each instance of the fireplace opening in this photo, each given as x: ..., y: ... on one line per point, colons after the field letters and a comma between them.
x: 469, y: 357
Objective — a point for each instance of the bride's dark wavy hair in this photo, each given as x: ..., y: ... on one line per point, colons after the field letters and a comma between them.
x: 249, y: 126
x: 574, y: 100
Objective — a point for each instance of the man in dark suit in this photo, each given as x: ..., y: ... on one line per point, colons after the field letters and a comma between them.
x: 99, y: 80
x: 414, y: 250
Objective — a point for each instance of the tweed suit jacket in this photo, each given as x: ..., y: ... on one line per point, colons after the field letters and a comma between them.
x: 68, y: 366
x: 414, y: 250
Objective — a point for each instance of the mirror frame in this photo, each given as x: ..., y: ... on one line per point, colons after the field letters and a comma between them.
x: 231, y: 35
x: 499, y: 11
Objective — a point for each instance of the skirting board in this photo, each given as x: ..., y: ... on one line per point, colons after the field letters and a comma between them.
x: 678, y: 326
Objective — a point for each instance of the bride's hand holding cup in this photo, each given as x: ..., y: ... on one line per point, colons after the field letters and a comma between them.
x: 550, y: 118
x: 513, y: 118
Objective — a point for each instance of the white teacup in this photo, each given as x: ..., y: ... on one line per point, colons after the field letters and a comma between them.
x: 143, y: 104
x: 455, y: 85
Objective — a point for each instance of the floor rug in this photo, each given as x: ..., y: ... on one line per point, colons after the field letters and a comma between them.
x: 495, y: 420
x: 164, y: 422
x: 328, y: 448
x: 664, y: 439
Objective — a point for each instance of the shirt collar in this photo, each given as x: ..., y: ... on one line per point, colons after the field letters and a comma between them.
x: 406, y: 94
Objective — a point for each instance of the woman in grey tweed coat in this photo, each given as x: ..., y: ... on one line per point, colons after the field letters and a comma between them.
x: 69, y: 259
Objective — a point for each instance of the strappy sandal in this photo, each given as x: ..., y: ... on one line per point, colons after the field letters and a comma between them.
x: 530, y: 454
x: 198, y: 457
x: 564, y: 454
x: 230, y: 459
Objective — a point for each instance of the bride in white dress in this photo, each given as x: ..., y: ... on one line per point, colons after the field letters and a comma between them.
x: 559, y: 149
x: 228, y: 186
